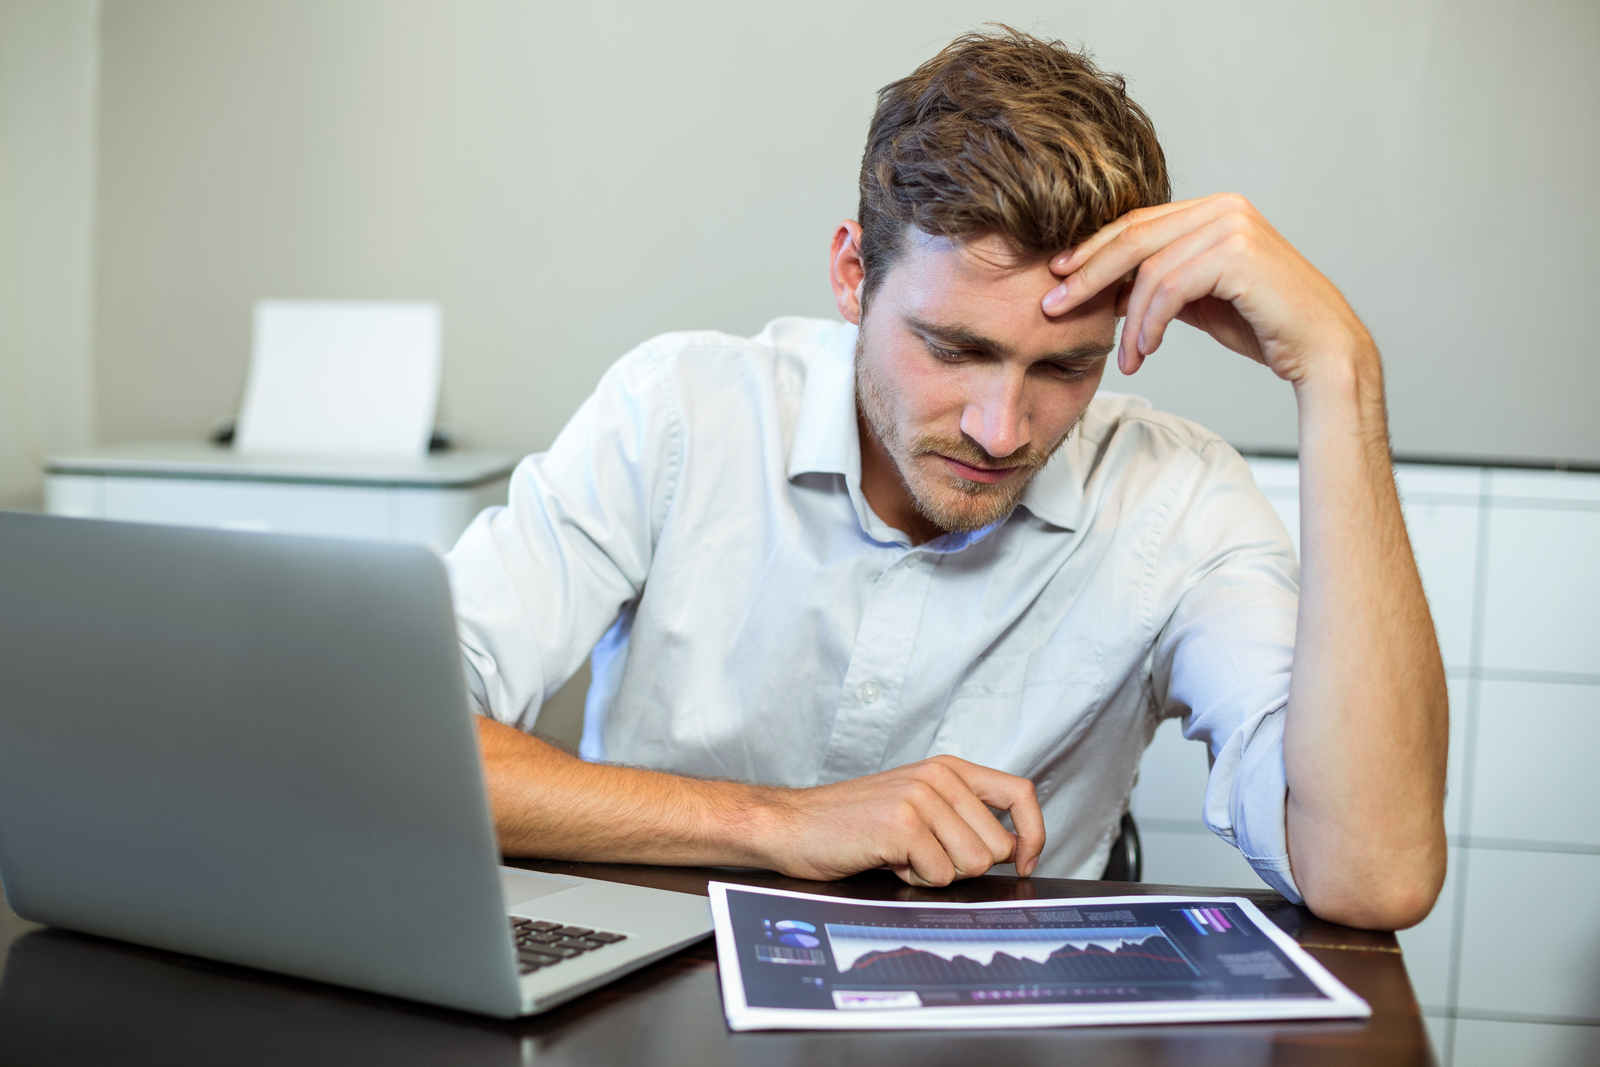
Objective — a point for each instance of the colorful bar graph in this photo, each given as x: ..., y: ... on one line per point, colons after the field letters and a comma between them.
x: 1207, y: 920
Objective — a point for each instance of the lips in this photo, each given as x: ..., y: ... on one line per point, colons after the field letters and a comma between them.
x: 982, y: 475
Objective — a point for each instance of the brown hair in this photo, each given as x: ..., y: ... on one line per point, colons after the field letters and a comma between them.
x: 1008, y: 134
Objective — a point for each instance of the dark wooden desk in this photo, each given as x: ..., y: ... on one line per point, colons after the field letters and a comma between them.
x: 67, y: 999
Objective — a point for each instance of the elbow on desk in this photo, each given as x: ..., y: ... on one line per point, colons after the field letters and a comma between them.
x: 1389, y: 900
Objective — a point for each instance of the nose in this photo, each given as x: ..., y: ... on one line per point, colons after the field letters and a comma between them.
x: 996, y: 416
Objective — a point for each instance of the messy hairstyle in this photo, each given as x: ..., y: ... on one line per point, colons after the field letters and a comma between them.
x: 1006, y: 134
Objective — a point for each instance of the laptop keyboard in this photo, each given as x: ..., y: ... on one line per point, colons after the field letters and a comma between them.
x: 545, y: 944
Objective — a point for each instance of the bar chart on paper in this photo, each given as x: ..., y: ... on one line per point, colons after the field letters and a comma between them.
x: 1207, y: 920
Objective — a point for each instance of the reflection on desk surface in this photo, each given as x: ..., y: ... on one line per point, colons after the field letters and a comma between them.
x: 69, y: 999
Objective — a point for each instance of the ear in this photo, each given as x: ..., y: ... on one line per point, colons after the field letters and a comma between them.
x: 846, y: 270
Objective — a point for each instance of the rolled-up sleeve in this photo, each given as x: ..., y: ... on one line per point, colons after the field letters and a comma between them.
x: 537, y: 582
x: 1222, y: 659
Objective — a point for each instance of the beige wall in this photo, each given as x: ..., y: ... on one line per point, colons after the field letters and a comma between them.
x: 568, y: 180
x: 47, y: 98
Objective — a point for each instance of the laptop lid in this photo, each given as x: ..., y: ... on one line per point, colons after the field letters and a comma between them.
x: 247, y: 747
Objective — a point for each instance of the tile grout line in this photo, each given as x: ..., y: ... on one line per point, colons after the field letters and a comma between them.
x: 1505, y: 674
x: 1469, y: 752
x: 1512, y: 844
x: 1529, y: 1018
x: 1540, y: 503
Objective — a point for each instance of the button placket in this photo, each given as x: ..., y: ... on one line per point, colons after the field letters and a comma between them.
x: 876, y: 675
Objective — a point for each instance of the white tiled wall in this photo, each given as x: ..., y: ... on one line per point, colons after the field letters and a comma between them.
x: 1444, y: 536
x: 1428, y: 945
x: 1458, y: 689
x: 1534, y: 552
x: 1507, y: 967
x: 1536, y: 765
x: 1530, y: 935
x: 1495, y: 1043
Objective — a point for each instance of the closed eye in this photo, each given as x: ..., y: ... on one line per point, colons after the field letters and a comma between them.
x: 947, y: 355
x: 1069, y: 373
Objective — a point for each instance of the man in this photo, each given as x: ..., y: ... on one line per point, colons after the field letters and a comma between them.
x: 858, y: 587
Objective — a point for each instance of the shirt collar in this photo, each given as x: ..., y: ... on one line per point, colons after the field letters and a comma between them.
x: 1056, y: 493
x: 827, y: 440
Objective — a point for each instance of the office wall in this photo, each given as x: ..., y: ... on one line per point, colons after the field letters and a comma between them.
x: 47, y: 99
x: 569, y: 179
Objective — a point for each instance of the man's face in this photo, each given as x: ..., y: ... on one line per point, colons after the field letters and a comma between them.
x: 964, y: 381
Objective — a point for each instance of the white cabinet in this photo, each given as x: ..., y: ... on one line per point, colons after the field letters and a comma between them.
x: 428, y: 500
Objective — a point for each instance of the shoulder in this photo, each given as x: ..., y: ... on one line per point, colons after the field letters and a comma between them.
x: 1126, y: 457
x: 1121, y: 423
x: 702, y: 362
x: 708, y: 388
x: 1124, y: 439
x: 1197, y: 494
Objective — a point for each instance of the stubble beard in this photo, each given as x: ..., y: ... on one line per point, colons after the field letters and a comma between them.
x: 950, y: 502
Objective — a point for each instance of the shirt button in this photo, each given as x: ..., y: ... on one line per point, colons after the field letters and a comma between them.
x: 870, y: 692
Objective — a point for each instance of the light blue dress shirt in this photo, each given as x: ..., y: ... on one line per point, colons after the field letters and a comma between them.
x: 699, y: 525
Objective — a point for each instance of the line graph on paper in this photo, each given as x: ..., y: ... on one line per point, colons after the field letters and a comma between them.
x: 933, y: 955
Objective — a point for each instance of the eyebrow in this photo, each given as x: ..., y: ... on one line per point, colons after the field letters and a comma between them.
x: 966, y: 337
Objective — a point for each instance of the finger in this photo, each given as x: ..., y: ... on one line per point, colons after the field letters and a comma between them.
x: 1068, y: 260
x: 926, y: 862
x: 1008, y: 792
x: 1172, y: 280
x: 1188, y: 283
x: 1122, y: 297
x: 1119, y: 248
x: 955, y: 791
x: 968, y: 852
x: 1163, y: 278
x: 927, y: 842
x: 1028, y: 818
x: 1134, y: 241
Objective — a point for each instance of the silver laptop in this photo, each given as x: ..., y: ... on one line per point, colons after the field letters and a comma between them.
x: 258, y: 749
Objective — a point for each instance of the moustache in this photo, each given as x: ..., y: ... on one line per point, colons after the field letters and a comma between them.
x: 965, y: 450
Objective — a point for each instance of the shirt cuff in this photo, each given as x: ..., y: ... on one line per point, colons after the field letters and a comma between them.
x: 1247, y: 799
x: 490, y: 696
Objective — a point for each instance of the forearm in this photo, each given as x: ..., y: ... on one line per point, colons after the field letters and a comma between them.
x: 1366, y: 736
x: 550, y: 804
x: 929, y: 822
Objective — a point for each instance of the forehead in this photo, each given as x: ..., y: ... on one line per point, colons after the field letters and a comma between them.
x: 984, y: 258
x: 986, y: 285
